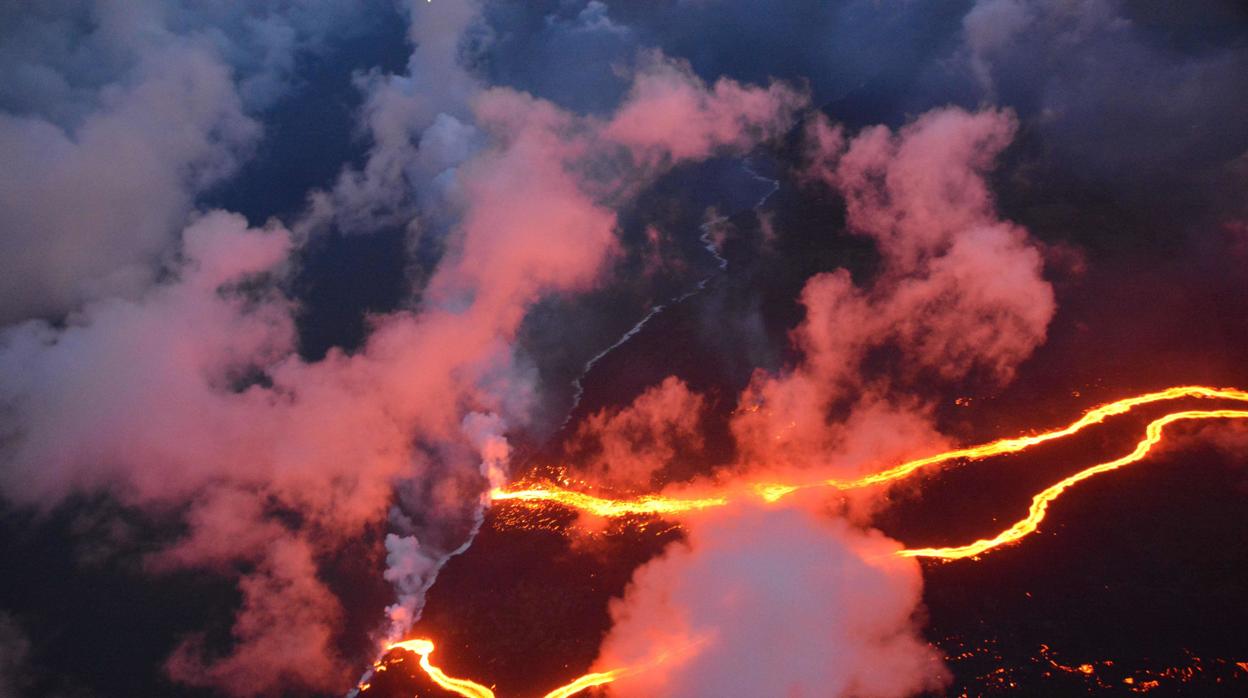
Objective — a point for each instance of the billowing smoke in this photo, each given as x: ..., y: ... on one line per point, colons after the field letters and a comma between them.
x: 797, y: 602
x: 150, y: 350
x: 1085, y: 77
x: 411, y: 569
x: 116, y: 116
x: 187, y: 395
x: 767, y: 602
x: 958, y: 290
x: 420, y: 127
x: 628, y: 447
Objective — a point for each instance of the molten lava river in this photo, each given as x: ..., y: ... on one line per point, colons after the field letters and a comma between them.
x: 567, y: 508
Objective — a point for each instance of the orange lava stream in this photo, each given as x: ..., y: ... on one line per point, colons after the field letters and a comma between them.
x: 772, y: 492
x: 460, y: 687
x: 586, y: 681
x: 470, y: 689
x: 610, y: 508
x: 1040, y: 503
x: 1092, y: 417
x: 660, y: 505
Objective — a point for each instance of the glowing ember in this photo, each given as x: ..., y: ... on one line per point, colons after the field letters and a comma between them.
x: 1093, y: 674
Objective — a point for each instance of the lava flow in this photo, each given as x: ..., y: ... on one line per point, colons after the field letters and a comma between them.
x: 662, y: 505
x: 1040, y: 503
x: 461, y: 687
x: 772, y: 492
x: 610, y: 508
x: 471, y: 689
x: 586, y: 681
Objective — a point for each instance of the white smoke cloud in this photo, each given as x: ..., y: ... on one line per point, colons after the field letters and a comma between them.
x: 761, y: 602
x: 113, y: 118
x: 411, y: 569
x: 419, y: 123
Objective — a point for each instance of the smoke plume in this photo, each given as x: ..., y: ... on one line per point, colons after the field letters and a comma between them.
x: 773, y: 603
x: 150, y: 338
x: 189, y: 394
x: 801, y: 602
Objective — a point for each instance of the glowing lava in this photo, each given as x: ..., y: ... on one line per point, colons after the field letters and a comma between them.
x: 471, y: 689
x: 1040, y: 503
x: 1002, y: 446
x: 536, y: 495
x: 586, y: 681
x: 658, y: 505
x: 610, y: 508
x: 460, y: 687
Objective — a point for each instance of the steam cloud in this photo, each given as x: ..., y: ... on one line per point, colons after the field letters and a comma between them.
x: 190, y: 394
x: 628, y: 447
x: 773, y: 603
x: 790, y: 603
x: 115, y: 117
x: 148, y: 342
x: 958, y: 290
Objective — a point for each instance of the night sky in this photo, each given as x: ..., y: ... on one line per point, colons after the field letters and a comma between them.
x: 287, y: 290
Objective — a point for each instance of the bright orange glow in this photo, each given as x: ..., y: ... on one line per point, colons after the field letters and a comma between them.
x: 551, y: 493
x: 586, y: 681
x: 1040, y: 503
x: 460, y: 687
x: 773, y: 492
x: 610, y: 508
x: 1092, y: 417
x: 470, y: 689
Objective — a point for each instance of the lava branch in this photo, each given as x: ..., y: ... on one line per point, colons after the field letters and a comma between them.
x: 609, y: 508
x: 659, y: 504
x: 461, y: 687
x: 587, y: 681
x: 471, y: 689
x: 1040, y: 502
x: 772, y: 492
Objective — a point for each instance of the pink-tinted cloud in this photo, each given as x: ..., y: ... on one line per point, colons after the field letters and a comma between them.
x: 627, y: 447
x: 87, y: 211
x: 283, y: 632
x: 802, y: 602
x: 959, y: 290
x: 670, y: 112
x: 190, y: 395
x: 772, y: 602
x: 115, y: 117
